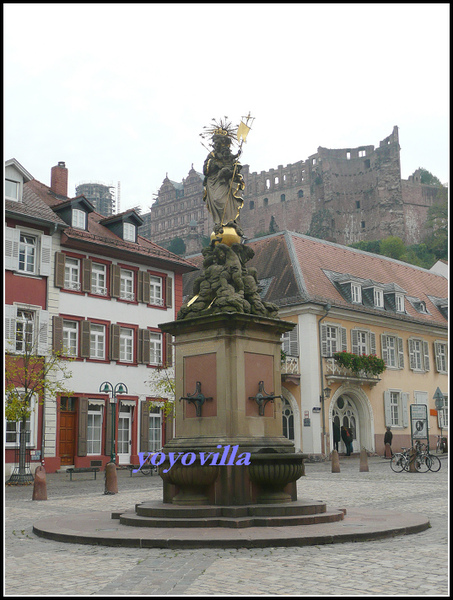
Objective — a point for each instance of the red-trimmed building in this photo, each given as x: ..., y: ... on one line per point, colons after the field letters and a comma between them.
x: 98, y: 291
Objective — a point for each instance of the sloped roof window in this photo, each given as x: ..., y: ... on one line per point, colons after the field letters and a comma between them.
x: 129, y: 232
x: 12, y: 190
x: 79, y: 218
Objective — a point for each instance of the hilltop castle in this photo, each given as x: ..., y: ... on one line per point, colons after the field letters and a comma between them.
x: 344, y: 195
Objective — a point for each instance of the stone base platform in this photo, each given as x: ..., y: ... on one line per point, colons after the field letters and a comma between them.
x: 353, y: 525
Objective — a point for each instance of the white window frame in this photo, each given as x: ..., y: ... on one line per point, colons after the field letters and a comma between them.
x: 396, y: 406
x: 28, y: 252
x: 441, y: 355
x: 155, y: 431
x: 127, y: 285
x: 72, y: 274
x: 155, y: 348
x: 15, y: 197
x: 98, y: 279
x: 78, y: 218
x: 129, y: 232
x: 126, y: 344
x: 156, y: 290
x: 30, y: 426
x: 97, y: 341
x: 399, y: 303
x: 418, y: 355
x: 40, y: 342
x: 25, y: 330
x: 364, y: 342
x: 70, y: 337
x: 356, y: 293
x: 392, y: 351
x: 42, y: 254
x: 332, y: 343
x: 378, y: 297
x: 94, y: 426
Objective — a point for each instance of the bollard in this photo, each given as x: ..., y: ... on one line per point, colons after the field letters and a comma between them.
x: 412, y: 455
x: 111, y: 479
x: 40, y: 484
x: 363, y: 461
x: 388, y: 451
x: 335, y: 462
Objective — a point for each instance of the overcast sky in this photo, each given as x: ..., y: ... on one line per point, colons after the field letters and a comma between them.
x: 121, y: 92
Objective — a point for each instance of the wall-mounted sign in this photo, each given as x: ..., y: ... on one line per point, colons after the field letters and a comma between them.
x: 316, y: 409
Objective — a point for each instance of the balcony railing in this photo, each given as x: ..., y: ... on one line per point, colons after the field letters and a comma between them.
x: 290, y: 369
x: 335, y: 372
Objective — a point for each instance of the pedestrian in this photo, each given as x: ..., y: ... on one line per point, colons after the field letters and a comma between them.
x: 336, y: 435
x: 345, y: 435
x: 388, y: 437
x: 350, y: 440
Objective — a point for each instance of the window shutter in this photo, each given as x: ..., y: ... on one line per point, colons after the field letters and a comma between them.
x: 83, y: 426
x: 400, y: 353
x: 324, y: 340
x: 46, y: 255
x: 86, y: 275
x: 146, y: 351
x: 405, y: 405
x: 114, y: 342
x: 10, y: 327
x: 43, y: 327
x: 436, y: 354
x: 412, y: 362
x: 387, y: 411
x: 355, y: 341
x: 169, y: 292
x: 115, y: 281
x: 372, y: 343
x: 108, y: 429
x: 168, y: 350
x: 426, y: 355
x: 140, y: 287
x: 57, y: 334
x: 12, y: 240
x: 144, y: 427
x: 85, y: 332
x: 60, y: 260
x: 293, y: 343
x: 146, y: 291
x: 344, y: 342
x: 385, y: 356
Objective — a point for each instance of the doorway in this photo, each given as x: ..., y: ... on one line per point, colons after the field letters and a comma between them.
x: 67, y: 431
x: 124, y: 435
x: 345, y: 413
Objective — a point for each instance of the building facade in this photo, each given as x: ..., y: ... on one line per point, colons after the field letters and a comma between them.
x: 99, y: 301
x: 346, y: 300
x: 101, y: 196
x: 345, y: 195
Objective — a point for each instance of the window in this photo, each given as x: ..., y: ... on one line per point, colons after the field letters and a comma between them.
x: 440, y: 351
x: 276, y: 180
x: 70, y: 338
x: 362, y: 153
x: 290, y: 344
x: 98, y: 279
x: 72, y: 273
x: 127, y: 285
x: 399, y: 301
x: 442, y: 414
x: 97, y: 341
x: 418, y: 354
x: 251, y: 205
x: 25, y: 330
x: 357, y: 204
x: 265, y: 201
x: 129, y: 232
x: 12, y: 190
x: 155, y: 348
x: 94, y: 428
x: 378, y: 298
x: 13, y: 428
x: 156, y: 290
x: 392, y: 351
x: 268, y: 183
x: 300, y: 194
x: 348, y: 155
x: 27, y: 253
x: 356, y: 291
x: 126, y: 344
x: 78, y: 218
x: 288, y: 419
x: 282, y: 198
x: 362, y: 224
x: 333, y: 339
x: 396, y: 408
x: 363, y: 342
x: 155, y: 430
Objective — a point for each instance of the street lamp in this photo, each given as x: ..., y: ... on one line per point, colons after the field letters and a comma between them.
x: 108, y: 388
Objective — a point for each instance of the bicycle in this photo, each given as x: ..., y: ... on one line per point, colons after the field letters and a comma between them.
x: 432, y: 460
x: 147, y: 466
x: 401, y: 461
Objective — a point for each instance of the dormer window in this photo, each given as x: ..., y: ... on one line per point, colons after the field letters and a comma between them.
x: 399, y: 301
x: 12, y: 190
x: 129, y: 232
x: 378, y: 298
x: 78, y: 218
x: 356, y: 292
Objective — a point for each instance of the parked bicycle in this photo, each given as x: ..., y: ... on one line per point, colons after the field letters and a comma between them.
x: 147, y: 466
x: 432, y: 460
x: 401, y: 461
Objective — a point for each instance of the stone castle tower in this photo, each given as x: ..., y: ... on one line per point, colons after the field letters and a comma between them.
x: 344, y: 195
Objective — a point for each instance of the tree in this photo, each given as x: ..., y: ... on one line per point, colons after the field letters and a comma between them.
x: 177, y: 246
x: 372, y: 246
x: 28, y: 376
x: 392, y: 246
x: 437, y: 239
x: 428, y: 178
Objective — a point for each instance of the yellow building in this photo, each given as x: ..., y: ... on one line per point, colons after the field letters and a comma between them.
x: 353, y: 302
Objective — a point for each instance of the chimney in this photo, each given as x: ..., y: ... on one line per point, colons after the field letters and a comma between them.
x: 59, y: 179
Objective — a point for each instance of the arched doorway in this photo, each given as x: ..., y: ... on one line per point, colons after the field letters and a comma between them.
x: 351, y: 407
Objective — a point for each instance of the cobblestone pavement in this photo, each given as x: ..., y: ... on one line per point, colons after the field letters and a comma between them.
x: 406, y: 565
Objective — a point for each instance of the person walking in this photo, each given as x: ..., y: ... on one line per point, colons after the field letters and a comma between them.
x: 345, y: 435
x: 388, y: 437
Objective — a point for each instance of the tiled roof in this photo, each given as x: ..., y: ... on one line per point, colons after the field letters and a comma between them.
x: 32, y: 206
x: 298, y: 267
x: 102, y: 236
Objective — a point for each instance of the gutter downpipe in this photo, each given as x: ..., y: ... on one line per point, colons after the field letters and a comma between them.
x: 327, y: 307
